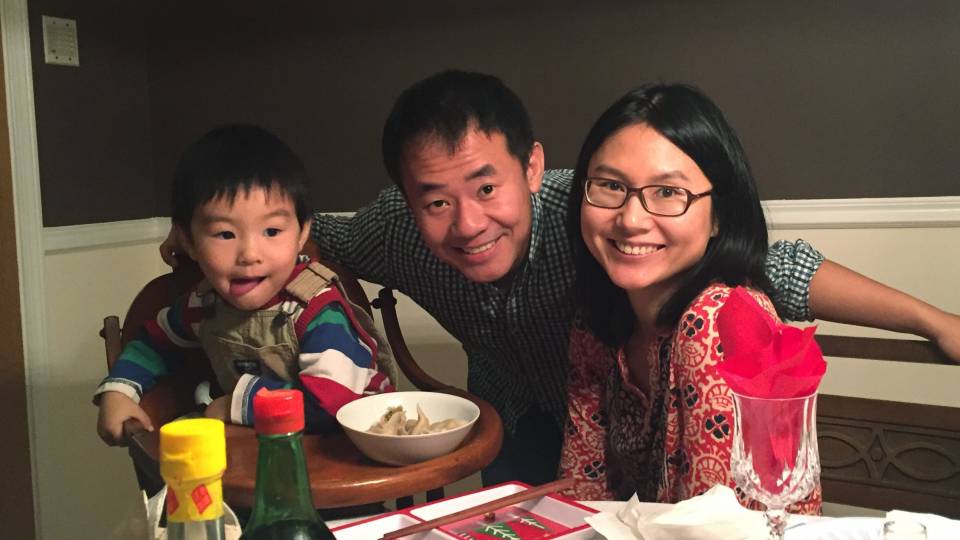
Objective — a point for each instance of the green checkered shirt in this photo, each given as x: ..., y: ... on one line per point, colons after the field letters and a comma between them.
x: 515, y: 339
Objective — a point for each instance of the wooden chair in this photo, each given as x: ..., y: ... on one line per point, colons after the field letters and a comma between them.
x: 166, y: 401
x: 172, y: 397
x: 885, y: 454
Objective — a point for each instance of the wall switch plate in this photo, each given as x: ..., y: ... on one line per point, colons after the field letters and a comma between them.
x: 60, y: 41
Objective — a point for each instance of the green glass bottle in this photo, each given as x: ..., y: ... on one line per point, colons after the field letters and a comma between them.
x: 282, y: 506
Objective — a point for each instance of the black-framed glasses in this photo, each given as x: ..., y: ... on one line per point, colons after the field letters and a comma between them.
x: 668, y: 201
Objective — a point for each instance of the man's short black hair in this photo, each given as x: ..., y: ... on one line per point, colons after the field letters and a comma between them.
x: 443, y: 106
x: 232, y: 158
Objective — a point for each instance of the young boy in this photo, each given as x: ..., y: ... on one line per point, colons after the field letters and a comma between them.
x: 263, y: 318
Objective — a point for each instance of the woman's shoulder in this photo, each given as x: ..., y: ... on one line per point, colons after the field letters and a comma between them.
x: 708, y: 303
x: 695, y: 342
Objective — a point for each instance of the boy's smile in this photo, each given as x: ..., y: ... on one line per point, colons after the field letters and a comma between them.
x: 247, y: 247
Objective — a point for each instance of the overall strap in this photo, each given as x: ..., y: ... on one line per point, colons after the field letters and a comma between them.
x: 203, y: 287
x: 208, y: 298
x: 316, y: 277
x: 308, y: 283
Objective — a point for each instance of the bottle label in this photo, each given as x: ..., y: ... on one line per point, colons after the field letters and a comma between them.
x: 195, y: 501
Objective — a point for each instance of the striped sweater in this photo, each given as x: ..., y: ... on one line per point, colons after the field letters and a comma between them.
x: 336, y: 358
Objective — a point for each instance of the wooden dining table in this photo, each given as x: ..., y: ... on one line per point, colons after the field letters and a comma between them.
x: 340, y: 475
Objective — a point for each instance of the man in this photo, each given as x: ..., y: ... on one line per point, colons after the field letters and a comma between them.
x: 475, y: 232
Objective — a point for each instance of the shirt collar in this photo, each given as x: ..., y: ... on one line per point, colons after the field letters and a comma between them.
x: 536, y: 226
x: 536, y: 238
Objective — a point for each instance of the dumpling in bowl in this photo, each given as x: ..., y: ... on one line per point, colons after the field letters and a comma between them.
x: 393, y: 422
x: 446, y: 425
x: 421, y: 425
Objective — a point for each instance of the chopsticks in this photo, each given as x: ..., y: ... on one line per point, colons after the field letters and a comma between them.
x: 480, y: 509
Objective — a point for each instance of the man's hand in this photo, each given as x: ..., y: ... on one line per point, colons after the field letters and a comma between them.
x: 945, y: 332
x: 219, y: 408
x: 841, y: 295
x: 170, y: 247
x: 115, y: 409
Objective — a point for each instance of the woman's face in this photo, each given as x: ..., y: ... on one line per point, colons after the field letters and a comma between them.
x: 642, y: 252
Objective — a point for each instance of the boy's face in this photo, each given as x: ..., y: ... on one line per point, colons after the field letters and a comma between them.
x: 248, y: 248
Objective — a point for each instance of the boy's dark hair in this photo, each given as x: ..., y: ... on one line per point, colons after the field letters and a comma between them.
x: 232, y: 158
x: 442, y: 106
x: 735, y: 256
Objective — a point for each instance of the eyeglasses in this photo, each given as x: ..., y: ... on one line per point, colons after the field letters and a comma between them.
x: 668, y: 201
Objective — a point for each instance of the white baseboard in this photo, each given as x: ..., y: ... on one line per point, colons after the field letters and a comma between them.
x: 915, y: 212
x: 102, y: 234
x: 895, y: 212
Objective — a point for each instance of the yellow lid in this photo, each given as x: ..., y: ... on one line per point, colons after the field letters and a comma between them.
x: 192, y: 449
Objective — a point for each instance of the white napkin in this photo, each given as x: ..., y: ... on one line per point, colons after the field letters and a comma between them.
x: 938, y: 527
x: 715, y: 515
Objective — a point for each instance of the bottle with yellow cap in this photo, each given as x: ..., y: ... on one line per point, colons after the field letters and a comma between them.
x: 193, y: 456
x: 282, y: 506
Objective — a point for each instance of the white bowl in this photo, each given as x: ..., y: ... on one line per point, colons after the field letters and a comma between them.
x: 357, y: 416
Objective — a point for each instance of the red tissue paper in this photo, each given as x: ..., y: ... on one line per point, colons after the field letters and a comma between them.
x: 763, y: 358
x: 769, y: 363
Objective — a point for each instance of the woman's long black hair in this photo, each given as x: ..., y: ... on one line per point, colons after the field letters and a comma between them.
x: 735, y: 256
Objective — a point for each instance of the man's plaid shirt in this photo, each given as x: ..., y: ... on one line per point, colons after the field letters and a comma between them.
x: 515, y: 339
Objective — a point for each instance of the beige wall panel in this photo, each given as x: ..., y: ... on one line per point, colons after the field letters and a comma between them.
x: 84, y: 486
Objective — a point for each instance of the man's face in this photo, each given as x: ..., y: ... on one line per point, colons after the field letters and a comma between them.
x: 472, y: 206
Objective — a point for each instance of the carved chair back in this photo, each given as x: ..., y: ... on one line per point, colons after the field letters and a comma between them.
x: 886, y: 454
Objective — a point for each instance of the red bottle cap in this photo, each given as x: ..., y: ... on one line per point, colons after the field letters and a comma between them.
x: 276, y: 412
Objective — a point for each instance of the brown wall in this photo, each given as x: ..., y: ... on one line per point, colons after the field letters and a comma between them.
x: 93, y: 125
x: 848, y: 99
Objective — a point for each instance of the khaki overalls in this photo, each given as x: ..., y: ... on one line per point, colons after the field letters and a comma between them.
x: 264, y: 342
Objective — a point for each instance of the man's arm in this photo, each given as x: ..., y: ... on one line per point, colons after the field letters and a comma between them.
x: 366, y: 242
x: 841, y: 295
x: 790, y: 267
x: 806, y: 287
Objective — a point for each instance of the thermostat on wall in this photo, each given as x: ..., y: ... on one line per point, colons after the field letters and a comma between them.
x: 60, y: 41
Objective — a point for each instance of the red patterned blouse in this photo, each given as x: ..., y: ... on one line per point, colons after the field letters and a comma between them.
x: 667, y: 446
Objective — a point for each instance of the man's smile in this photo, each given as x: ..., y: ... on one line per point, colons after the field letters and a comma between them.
x: 479, y: 249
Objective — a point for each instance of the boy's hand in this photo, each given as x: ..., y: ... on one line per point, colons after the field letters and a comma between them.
x: 115, y: 409
x: 219, y: 408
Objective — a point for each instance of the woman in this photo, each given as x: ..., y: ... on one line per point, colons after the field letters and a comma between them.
x: 666, y: 220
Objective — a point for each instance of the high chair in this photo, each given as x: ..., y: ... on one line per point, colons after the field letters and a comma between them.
x: 339, y: 475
